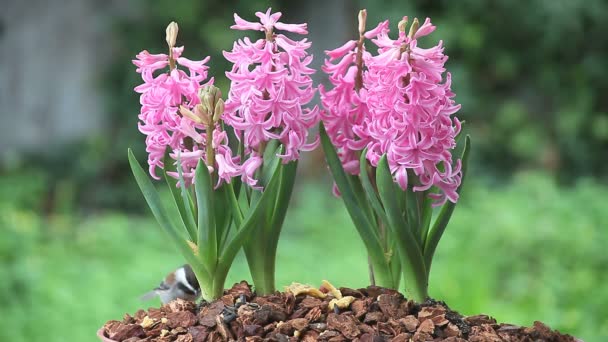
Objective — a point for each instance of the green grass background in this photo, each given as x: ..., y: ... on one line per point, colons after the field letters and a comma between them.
x: 523, y: 252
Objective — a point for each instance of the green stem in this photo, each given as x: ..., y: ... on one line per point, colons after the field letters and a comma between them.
x: 383, y: 274
x: 210, y: 151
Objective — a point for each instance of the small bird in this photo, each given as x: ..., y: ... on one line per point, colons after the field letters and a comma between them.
x: 181, y: 283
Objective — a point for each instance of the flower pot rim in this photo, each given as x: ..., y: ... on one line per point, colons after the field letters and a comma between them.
x: 102, y: 336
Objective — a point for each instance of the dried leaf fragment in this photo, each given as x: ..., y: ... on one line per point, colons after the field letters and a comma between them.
x: 331, y: 289
x: 147, y: 322
x: 297, y: 289
x: 342, y: 303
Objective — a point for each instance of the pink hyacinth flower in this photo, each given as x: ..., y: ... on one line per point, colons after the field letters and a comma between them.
x: 403, y: 110
x: 162, y: 94
x: 270, y: 87
x: 411, y: 105
x: 344, y: 107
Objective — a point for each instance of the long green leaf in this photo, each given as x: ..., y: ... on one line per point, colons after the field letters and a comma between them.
x: 414, y: 212
x: 177, y: 198
x: 223, y: 214
x: 270, y: 156
x: 366, y: 228
x: 372, y: 196
x: 446, y: 211
x: 427, y: 215
x: 288, y: 175
x: 266, y: 170
x: 250, y: 221
x: 188, y: 215
x: 235, y: 208
x: 159, y: 212
x: 207, y: 238
x: 408, y: 248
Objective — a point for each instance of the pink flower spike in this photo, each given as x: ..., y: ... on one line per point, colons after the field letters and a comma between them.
x: 270, y: 90
x: 401, y: 107
x: 162, y: 98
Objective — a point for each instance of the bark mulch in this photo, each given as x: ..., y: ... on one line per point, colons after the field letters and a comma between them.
x: 302, y: 313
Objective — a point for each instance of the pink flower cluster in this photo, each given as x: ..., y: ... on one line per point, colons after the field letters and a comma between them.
x: 164, y: 127
x: 403, y: 109
x: 270, y: 85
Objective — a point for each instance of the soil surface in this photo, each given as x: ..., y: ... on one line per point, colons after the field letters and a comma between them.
x: 302, y: 313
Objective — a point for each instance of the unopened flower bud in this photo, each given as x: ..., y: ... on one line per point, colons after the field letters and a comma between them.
x: 172, y: 34
x: 362, y: 20
x: 414, y: 28
x: 207, y: 103
x: 213, y: 90
x: 219, y: 110
x: 402, y: 24
x: 210, y: 97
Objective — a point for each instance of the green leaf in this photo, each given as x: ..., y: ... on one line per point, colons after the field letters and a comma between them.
x: 367, y: 229
x: 207, y: 238
x: 188, y: 215
x: 427, y: 215
x: 270, y: 158
x: 288, y: 175
x: 223, y: 214
x: 234, y: 206
x: 408, y: 248
x: 370, y: 192
x: 395, y: 260
x: 159, y: 212
x: 254, y: 214
x: 446, y: 211
x: 177, y: 198
x: 414, y: 212
x: 267, y: 169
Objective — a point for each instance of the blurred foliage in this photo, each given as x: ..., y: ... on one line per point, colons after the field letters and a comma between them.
x: 531, y: 76
x: 542, y: 258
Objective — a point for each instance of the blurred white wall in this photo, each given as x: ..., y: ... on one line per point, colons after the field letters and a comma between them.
x: 52, y: 52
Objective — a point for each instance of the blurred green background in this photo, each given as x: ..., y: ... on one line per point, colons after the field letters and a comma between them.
x: 527, y: 241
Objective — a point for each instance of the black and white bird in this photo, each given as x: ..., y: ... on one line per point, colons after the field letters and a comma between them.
x: 181, y: 283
